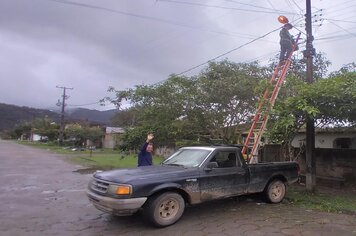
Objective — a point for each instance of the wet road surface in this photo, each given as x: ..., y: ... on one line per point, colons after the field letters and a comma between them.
x: 41, y: 194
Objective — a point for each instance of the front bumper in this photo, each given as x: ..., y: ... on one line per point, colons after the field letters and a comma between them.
x: 120, y: 207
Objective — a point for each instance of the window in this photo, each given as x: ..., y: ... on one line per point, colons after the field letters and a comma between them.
x: 225, y: 159
x: 342, y: 143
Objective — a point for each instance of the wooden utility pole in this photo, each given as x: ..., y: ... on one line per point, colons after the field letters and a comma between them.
x: 310, y: 128
x: 61, y: 129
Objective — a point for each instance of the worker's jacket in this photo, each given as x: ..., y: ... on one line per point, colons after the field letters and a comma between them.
x: 286, y: 38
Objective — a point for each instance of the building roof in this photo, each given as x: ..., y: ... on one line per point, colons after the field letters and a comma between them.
x: 348, y: 130
x: 114, y: 130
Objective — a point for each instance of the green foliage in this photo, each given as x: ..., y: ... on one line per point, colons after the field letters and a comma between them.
x: 180, y: 108
x: 45, y: 127
x: 329, y: 101
x: 22, y: 129
x: 209, y: 106
x: 80, y: 133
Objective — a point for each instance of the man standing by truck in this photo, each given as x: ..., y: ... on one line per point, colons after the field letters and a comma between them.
x: 145, y: 154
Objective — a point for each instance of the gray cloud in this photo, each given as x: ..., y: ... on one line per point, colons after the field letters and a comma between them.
x: 123, y: 43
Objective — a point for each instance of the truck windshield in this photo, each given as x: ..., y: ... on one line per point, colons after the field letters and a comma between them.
x: 187, y: 157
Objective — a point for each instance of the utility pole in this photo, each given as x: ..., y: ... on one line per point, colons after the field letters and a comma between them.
x: 310, y: 128
x: 64, y: 97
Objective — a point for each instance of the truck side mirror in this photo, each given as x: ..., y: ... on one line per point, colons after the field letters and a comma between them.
x: 211, y: 165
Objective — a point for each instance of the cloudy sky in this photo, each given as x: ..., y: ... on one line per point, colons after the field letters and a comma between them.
x: 89, y: 45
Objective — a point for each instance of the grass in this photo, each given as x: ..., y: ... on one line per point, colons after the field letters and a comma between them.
x: 48, y: 146
x: 104, y: 159
x: 327, y: 200
x: 110, y: 161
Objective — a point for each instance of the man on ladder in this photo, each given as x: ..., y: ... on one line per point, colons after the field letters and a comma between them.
x: 259, y: 121
x: 286, y: 42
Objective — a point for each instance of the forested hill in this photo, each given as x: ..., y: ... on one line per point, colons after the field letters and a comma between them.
x: 103, y: 117
x: 10, y: 115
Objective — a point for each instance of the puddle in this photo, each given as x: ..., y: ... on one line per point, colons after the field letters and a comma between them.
x: 48, y: 192
x: 29, y: 187
x: 85, y: 171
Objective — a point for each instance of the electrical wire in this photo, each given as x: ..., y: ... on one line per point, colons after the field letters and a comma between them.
x: 131, y: 15
x: 246, y: 4
x: 228, y: 52
x: 222, y: 7
x: 345, y: 21
x: 300, y: 9
x: 343, y: 29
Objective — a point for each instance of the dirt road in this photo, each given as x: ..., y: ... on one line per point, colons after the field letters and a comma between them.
x: 41, y: 194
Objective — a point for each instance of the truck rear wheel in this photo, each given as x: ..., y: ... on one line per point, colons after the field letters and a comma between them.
x: 275, y: 191
x: 164, y: 209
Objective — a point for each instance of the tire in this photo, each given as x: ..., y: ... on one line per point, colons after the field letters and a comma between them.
x: 164, y: 209
x: 275, y: 191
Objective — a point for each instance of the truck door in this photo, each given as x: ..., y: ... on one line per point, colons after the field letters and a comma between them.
x: 224, y: 177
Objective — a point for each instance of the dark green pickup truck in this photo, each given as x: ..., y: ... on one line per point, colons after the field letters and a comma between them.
x: 192, y: 175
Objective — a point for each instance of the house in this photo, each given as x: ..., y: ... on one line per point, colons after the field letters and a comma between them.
x: 335, y: 154
x: 112, y: 137
x: 344, y: 138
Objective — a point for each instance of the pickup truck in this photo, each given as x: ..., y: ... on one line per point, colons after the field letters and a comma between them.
x: 191, y: 175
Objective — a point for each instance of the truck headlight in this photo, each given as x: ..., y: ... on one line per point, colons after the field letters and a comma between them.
x: 122, y: 189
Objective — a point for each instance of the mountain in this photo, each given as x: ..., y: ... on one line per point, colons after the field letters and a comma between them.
x: 103, y: 117
x: 11, y: 115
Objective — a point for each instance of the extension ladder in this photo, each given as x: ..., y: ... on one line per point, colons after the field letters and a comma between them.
x: 253, y: 139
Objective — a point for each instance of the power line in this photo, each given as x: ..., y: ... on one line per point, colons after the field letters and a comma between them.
x: 222, y: 7
x: 139, y: 16
x: 300, y: 9
x: 246, y: 4
x: 130, y: 14
x: 228, y: 52
x: 343, y: 28
x: 345, y: 21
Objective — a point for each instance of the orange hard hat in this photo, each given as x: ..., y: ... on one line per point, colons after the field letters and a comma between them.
x: 283, y: 19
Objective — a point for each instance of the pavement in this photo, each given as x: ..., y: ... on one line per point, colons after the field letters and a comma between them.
x: 42, y: 194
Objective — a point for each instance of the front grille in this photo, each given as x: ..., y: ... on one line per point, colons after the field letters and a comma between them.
x: 99, y: 186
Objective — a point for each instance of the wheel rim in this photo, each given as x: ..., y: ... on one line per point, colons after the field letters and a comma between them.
x: 168, y: 208
x: 277, y: 191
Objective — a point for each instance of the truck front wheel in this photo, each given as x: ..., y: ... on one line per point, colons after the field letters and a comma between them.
x: 164, y: 209
x: 275, y: 191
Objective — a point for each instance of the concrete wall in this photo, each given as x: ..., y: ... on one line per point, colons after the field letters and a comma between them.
x: 330, y: 162
x: 339, y: 163
x: 111, y: 140
x: 325, y: 140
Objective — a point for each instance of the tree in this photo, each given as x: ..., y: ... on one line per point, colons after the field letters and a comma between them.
x: 228, y: 97
x: 181, y: 108
x: 78, y: 134
x: 330, y: 101
x: 45, y: 127
x: 22, y: 129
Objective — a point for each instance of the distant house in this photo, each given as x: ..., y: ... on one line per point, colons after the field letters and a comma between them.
x: 112, y: 136
x: 344, y: 138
